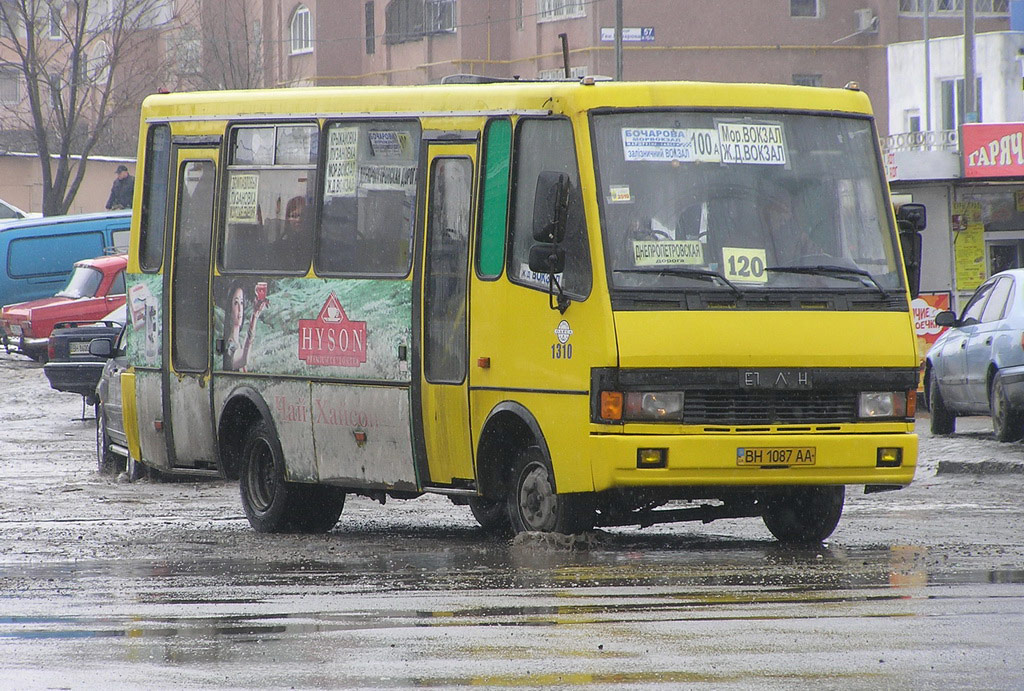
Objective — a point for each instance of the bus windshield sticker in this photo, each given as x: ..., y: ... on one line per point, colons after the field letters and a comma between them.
x: 667, y: 252
x: 752, y: 143
x: 387, y: 177
x: 340, y: 171
x: 689, y: 145
x: 745, y: 264
x: 390, y: 144
x: 243, y: 196
x: 619, y: 194
x: 538, y: 279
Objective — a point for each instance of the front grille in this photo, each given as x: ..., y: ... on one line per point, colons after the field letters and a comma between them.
x: 770, y: 407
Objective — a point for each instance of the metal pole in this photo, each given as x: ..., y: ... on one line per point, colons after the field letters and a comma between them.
x: 927, y: 70
x: 970, y: 85
x: 618, y: 40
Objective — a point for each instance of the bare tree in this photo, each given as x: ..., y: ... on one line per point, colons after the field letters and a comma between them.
x: 232, y: 45
x: 86, y: 65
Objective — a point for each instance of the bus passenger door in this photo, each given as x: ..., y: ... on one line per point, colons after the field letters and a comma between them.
x: 187, y: 401
x: 444, y: 401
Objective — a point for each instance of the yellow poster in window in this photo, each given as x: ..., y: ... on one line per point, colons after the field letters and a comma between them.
x: 970, y: 257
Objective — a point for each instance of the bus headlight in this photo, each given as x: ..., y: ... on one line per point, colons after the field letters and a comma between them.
x: 875, y: 404
x: 654, y: 405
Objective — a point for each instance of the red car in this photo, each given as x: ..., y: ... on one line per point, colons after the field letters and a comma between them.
x: 95, y: 289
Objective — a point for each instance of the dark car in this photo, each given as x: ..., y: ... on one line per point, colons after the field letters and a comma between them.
x: 70, y: 366
x: 112, y: 455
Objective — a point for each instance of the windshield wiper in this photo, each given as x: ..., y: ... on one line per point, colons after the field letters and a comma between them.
x: 846, y: 273
x: 686, y: 271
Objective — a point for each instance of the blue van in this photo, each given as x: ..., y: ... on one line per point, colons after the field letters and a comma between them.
x: 37, y: 254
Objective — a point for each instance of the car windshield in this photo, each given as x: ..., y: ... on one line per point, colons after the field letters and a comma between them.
x: 84, y: 283
x: 778, y: 201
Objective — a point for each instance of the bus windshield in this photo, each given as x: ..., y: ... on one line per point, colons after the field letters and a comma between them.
x: 743, y: 202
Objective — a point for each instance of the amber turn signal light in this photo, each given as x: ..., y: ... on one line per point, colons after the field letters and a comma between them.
x: 611, y: 405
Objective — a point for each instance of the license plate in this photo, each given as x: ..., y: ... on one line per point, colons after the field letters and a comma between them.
x: 79, y: 348
x: 775, y: 455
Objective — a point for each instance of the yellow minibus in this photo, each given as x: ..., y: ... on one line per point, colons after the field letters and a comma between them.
x: 568, y: 305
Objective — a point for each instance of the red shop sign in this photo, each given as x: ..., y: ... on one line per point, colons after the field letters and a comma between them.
x: 993, y: 149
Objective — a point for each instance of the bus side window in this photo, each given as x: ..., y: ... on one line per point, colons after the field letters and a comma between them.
x: 494, y: 198
x: 271, y: 185
x: 547, y: 145
x: 369, y: 189
x: 156, y: 176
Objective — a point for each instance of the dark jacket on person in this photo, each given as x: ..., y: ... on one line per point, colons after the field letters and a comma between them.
x: 121, y: 193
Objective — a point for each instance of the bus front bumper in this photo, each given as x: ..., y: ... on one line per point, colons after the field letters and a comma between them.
x: 648, y: 460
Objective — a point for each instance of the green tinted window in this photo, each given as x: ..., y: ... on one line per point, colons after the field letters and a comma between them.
x: 494, y: 199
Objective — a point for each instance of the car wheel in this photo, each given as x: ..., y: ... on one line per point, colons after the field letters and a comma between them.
x: 274, y: 505
x: 107, y: 462
x: 534, y: 505
x: 491, y: 515
x: 943, y: 419
x: 804, y: 515
x: 1007, y: 422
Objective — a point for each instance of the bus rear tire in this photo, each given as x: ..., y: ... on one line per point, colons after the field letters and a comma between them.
x: 534, y: 505
x: 804, y: 515
x: 274, y: 505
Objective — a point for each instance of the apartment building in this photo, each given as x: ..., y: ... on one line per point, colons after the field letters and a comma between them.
x: 816, y: 42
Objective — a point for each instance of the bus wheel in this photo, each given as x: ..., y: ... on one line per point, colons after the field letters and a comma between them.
x: 274, y: 505
x: 321, y: 508
x: 804, y: 515
x: 533, y: 504
x: 491, y: 515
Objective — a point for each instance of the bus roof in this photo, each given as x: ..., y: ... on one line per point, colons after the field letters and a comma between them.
x: 478, y: 99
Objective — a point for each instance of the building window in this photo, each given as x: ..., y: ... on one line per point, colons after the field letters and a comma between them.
x: 439, y: 16
x: 371, y: 40
x: 804, y: 8
x: 559, y: 73
x: 99, y: 63
x: 55, y: 32
x: 301, y: 33
x: 953, y: 102
x: 403, y: 21
x: 185, y: 51
x: 807, y: 79
x: 913, y: 121
x: 999, y: 7
x: 551, y: 10
x: 10, y: 85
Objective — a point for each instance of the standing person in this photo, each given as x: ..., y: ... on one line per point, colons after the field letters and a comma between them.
x: 122, y: 190
x: 236, y: 353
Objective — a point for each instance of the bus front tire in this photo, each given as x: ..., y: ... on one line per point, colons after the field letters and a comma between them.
x: 534, y: 505
x: 804, y: 515
x: 274, y: 505
x: 491, y: 515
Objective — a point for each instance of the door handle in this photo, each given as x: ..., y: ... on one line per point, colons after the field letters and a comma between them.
x: 963, y: 345
x: 988, y: 341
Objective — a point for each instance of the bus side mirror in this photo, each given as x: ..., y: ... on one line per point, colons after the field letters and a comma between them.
x: 550, y: 206
x: 547, y: 259
x: 910, y: 242
x: 911, y: 217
